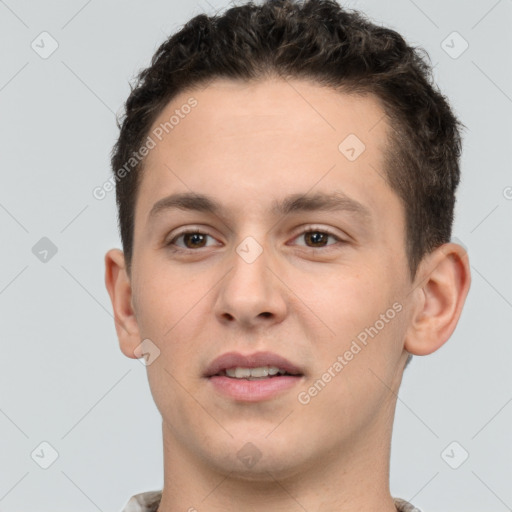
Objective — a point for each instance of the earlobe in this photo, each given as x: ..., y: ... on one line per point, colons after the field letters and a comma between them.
x: 440, y: 292
x: 119, y: 288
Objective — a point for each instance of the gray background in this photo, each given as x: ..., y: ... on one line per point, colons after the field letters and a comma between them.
x: 63, y: 379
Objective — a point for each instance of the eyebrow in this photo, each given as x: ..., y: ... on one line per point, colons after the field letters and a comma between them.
x: 294, y: 203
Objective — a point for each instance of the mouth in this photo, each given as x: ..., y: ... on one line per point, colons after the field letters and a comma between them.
x: 259, y: 365
x: 258, y: 373
x: 254, y: 377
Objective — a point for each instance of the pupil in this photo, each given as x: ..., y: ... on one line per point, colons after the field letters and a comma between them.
x: 195, y: 238
x: 317, y: 237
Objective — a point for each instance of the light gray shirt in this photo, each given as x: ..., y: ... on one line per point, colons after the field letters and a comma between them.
x: 149, y: 501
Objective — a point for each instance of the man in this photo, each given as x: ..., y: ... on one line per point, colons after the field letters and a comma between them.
x: 285, y: 178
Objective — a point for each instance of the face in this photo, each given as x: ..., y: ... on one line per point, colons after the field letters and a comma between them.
x: 297, y: 249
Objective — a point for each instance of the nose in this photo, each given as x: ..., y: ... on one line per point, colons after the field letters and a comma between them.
x: 250, y: 294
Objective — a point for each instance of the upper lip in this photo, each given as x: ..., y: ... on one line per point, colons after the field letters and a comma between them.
x: 235, y: 359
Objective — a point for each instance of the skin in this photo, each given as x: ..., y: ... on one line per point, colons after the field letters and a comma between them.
x: 246, y: 145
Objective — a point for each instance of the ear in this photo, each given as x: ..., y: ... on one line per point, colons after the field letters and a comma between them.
x: 439, y: 294
x: 119, y: 288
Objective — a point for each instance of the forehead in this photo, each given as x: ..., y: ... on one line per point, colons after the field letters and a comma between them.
x: 295, y: 109
x: 250, y: 144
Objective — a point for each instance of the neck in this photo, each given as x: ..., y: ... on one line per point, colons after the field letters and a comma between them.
x: 352, y: 477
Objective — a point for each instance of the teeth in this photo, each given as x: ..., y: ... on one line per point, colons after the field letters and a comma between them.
x: 242, y: 373
x: 260, y: 372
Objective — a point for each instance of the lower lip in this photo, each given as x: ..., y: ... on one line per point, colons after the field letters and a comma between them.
x: 253, y: 390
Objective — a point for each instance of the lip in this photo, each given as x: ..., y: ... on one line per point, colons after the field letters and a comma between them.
x: 245, y: 390
x: 235, y: 359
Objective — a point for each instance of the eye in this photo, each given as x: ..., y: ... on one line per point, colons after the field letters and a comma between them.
x: 192, y: 239
x: 318, y: 238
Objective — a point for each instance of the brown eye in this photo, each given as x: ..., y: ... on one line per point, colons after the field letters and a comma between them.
x: 190, y: 240
x: 194, y: 240
x: 317, y: 238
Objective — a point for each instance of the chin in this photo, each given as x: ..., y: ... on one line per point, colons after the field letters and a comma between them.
x: 257, y: 458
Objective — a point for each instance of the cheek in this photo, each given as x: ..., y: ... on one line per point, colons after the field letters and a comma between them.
x: 154, y: 309
x: 346, y: 301
x: 164, y: 296
x: 172, y: 310
x: 365, y: 319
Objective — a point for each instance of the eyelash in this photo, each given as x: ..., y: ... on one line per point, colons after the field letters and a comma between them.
x: 171, y: 244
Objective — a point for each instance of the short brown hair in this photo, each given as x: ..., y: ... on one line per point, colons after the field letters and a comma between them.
x: 320, y: 41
